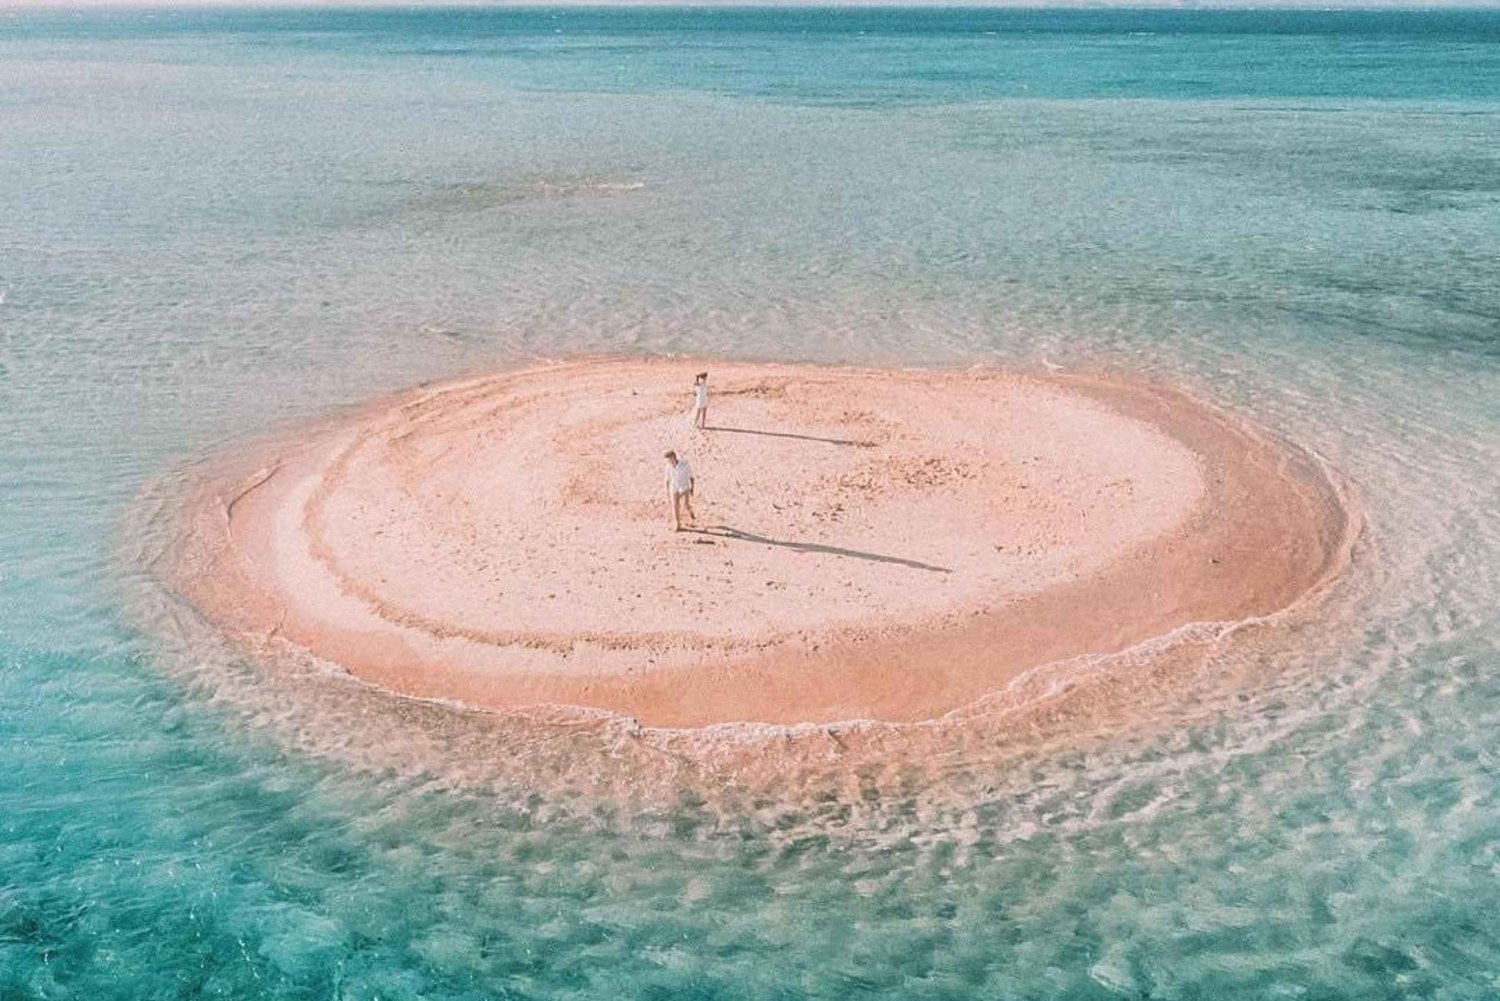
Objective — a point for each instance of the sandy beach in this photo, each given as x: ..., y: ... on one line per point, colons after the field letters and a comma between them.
x: 870, y: 545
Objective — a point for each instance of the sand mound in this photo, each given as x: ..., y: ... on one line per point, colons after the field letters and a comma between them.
x: 869, y: 544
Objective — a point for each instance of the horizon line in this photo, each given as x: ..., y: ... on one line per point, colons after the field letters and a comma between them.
x: 1181, y: 7
x: 10, y: 8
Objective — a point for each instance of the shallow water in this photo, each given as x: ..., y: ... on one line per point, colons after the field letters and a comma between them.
x: 212, y: 225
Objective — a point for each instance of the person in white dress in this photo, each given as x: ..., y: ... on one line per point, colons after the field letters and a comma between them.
x: 680, y: 489
x: 700, y: 401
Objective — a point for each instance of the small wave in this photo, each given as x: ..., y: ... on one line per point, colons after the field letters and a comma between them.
x: 480, y: 196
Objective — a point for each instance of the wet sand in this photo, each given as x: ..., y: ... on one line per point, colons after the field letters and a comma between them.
x: 870, y: 545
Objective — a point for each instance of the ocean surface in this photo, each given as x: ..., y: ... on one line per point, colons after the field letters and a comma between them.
x: 215, y: 224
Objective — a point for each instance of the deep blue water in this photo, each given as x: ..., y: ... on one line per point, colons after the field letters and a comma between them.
x: 213, y: 223
x: 872, y: 56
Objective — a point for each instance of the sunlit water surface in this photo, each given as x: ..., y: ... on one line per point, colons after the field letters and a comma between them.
x: 212, y: 225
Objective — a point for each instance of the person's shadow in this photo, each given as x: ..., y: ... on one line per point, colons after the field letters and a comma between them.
x: 790, y: 434
x: 725, y: 532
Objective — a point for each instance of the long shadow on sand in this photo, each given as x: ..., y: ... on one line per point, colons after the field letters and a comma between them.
x: 725, y: 532
x: 790, y: 434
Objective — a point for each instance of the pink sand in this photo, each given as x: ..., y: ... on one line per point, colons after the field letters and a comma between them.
x: 888, y: 545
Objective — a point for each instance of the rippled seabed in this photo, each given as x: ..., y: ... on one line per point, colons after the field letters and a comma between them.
x: 213, y: 224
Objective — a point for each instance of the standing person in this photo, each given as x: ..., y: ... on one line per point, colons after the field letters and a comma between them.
x: 680, y: 488
x: 700, y: 401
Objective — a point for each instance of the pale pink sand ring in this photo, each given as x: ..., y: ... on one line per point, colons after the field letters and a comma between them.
x: 886, y: 545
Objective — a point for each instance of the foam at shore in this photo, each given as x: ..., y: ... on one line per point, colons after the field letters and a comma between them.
x: 870, y: 545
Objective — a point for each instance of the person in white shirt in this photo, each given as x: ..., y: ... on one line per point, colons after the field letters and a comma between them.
x: 680, y: 488
x: 700, y: 401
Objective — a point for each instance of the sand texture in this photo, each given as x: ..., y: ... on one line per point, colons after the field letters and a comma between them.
x: 870, y: 545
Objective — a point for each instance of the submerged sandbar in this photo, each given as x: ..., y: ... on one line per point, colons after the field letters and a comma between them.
x: 871, y: 545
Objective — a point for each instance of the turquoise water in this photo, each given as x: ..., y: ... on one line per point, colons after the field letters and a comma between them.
x: 212, y: 224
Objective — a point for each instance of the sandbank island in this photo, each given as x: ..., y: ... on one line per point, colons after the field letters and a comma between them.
x: 870, y: 545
